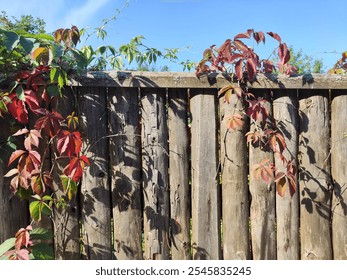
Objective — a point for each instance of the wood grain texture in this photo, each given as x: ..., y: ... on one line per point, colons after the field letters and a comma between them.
x: 234, y: 175
x: 95, y: 187
x: 339, y: 174
x: 155, y: 174
x: 205, y: 176
x: 179, y: 174
x: 125, y: 163
x: 262, y: 211
x: 286, y: 114
x: 314, y: 176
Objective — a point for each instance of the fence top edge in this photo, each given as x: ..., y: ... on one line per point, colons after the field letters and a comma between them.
x: 189, y: 80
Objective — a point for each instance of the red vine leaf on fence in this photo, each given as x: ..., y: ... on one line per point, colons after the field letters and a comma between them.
x: 31, y: 139
x: 287, y: 180
x: 234, y: 122
x: 257, y: 110
x: 264, y: 170
x: 276, y: 140
x: 75, y: 168
x: 255, y: 137
x: 49, y: 123
x: 22, y: 240
x: 228, y: 91
x: 259, y: 37
x: 40, y: 182
x: 69, y: 143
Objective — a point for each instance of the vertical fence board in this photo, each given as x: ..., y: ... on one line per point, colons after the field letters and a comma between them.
x: 95, y: 189
x: 339, y: 175
x: 262, y: 211
x: 155, y: 174
x: 125, y: 162
x: 205, y: 176
x: 314, y: 175
x: 285, y: 110
x: 179, y: 174
x: 235, y: 201
x: 65, y: 220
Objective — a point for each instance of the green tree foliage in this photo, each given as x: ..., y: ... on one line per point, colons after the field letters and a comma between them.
x: 25, y: 23
x: 304, y: 63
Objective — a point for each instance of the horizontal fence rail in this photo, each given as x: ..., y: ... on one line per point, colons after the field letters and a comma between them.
x: 168, y: 180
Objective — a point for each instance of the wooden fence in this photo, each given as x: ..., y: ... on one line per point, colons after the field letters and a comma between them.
x: 168, y: 181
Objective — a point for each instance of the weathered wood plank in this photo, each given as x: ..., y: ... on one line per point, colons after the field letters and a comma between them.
x: 65, y: 220
x: 262, y: 211
x: 155, y: 174
x: 95, y: 188
x: 339, y: 174
x: 179, y: 174
x: 285, y: 110
x: 314, y: 176
x: 205, y: 175
x: 14, y: 212
x: 125, y: 162
x: 235, y: 200
x: 189, y: 80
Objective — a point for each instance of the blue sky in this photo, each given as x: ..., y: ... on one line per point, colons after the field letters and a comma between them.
x: 318, y: 27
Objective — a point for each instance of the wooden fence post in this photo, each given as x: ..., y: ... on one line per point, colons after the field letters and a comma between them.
x: 95, y: 188
x: 155, y: 173
x: 339, y: 174
x: 263, y: 206
x: 65, y: 220
x: 314, y: 175
x: 125, y: 162
x: 235, y: 200
x: 205, y: 176
x: 285, y: 109
x: 179, y: 174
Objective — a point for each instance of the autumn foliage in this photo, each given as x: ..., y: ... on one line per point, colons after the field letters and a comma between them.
x: 241, y: 63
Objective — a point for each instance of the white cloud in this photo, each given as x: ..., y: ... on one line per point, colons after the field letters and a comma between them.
x: 82, y: 15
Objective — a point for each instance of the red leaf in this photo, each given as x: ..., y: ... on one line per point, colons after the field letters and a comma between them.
x: 75, y: 168
x: 283, y: 53
x: 268, y: 66
x: 240, y: 46
x: 259, y: 37
x: 275, y: 36
x: 17, y: 109
x: 69, y: 143
x: 238, y: 70
x: 50, y: 123
x: 251, y: 68
x: 224, y: 52
x: 234, y: 122
x: 31, y: 100
x: 15, y: 155
x: 245, y: 35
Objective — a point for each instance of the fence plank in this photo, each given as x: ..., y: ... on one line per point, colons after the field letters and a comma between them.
x: 125, y: 162
x: 339, y: 175
x: 179, y: 174
x: 205, y: 187
x: 315, y: 196
x: 155, y: 174
x: 262, y: 211
x: 65, y: 220
x: 285, y: 110
x: 95, y: 188
x: 235, y: 200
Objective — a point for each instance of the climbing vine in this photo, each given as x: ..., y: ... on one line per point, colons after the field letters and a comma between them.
x: 240, y: 62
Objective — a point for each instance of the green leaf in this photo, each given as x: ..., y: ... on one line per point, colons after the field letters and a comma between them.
x: 41, y: 234
x: 42, y: 251
x: 20, y: 93
x: 35, y: 210
x: 53, y: 90
x: 101, y: 50
x: 11, y: 39
x: 7, y: 245
x: 28, y: 44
